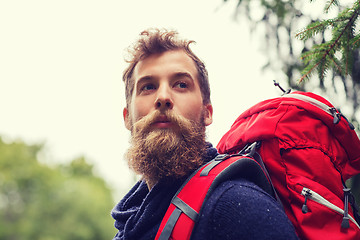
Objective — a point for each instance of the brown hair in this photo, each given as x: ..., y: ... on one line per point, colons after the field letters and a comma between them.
x: 154, y: 41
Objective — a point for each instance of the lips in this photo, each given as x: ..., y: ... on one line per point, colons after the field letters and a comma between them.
x: 162, y: 118
x: 162, y: 122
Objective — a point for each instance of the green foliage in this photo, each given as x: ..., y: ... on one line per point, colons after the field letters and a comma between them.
x: 337, y: 53
x: 50, y: 203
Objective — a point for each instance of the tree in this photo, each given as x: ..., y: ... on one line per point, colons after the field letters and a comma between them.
x: 49, y: 203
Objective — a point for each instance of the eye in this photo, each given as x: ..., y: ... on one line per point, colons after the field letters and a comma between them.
x: 181, y: 85
x: 148, y: 87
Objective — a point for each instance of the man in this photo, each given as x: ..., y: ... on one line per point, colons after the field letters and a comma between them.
x: 168, y: 109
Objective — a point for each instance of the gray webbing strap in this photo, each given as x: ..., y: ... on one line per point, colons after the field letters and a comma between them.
x: 166, y: 233
x: 208, y: 168
x: 181, y: 207
x: 191, y: 213
x: 218, y: 159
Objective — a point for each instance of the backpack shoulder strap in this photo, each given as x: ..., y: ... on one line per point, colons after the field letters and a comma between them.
x: 184, y: 209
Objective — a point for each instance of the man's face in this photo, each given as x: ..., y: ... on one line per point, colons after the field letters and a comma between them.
x: 167, y: 118
x: 167, y: 82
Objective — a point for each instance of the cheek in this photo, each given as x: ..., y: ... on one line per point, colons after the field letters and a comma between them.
x: 140, y: 109
x: 191, y: 109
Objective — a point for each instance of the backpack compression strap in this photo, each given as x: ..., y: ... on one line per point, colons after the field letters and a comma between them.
x: 184, y: 209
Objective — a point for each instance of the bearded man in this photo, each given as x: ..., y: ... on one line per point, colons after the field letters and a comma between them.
x: 167, y: 110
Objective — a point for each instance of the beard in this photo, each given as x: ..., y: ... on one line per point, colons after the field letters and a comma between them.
x: 166, y: 153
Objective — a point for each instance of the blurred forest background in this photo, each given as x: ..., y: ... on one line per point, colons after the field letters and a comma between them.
x: 45, y: 201
x: 42, y: 202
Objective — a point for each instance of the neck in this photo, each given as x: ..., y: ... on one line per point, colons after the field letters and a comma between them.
x: 150, y: 184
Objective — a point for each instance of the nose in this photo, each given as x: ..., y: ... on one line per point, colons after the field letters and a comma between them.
x: 163, y: 100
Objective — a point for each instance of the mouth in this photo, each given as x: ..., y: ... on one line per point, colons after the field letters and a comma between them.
x: 162, y: 122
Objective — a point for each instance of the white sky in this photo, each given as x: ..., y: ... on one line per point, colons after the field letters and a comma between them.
x: 61, y: 65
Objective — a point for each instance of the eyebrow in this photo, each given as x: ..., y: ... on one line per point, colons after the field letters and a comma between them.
x: 182, y: 74
x: 145, y: 78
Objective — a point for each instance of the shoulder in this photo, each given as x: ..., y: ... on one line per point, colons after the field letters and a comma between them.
x: 241, y: 208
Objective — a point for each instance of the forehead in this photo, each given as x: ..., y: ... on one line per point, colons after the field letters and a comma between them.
x: 165, y: 63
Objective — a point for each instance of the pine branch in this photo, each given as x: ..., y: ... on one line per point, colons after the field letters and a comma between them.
x: 355, y: 42
x: 336, y: 63
x: 306, y: 73
x: 316, y: 51
x: 312, y: 29
x: 329, y: 4
x: 347, y: 51
x: 339, y: 41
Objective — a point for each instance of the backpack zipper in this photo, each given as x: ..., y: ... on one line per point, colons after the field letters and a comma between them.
x: 329, y: 110
x: 310, y: 194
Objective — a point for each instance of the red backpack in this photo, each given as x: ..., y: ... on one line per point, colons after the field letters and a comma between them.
x: 298, y: 144
x: 309, y: 149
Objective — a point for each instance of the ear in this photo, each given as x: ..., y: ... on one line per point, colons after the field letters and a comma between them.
x: 208, y: 114
x: 127, y: 118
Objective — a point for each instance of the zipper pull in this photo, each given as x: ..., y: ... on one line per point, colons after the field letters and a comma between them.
x: 346, y: 220
x: 304, y: 208
x: 283, y: 90
x: 337, y: 117
x: 335, y: 114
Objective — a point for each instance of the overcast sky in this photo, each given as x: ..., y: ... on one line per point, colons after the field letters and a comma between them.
x: 61, y: 65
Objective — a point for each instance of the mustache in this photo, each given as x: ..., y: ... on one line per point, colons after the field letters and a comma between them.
x: 145, y: 122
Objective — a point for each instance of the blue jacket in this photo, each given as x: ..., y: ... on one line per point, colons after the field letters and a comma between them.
x: 237, y: 209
